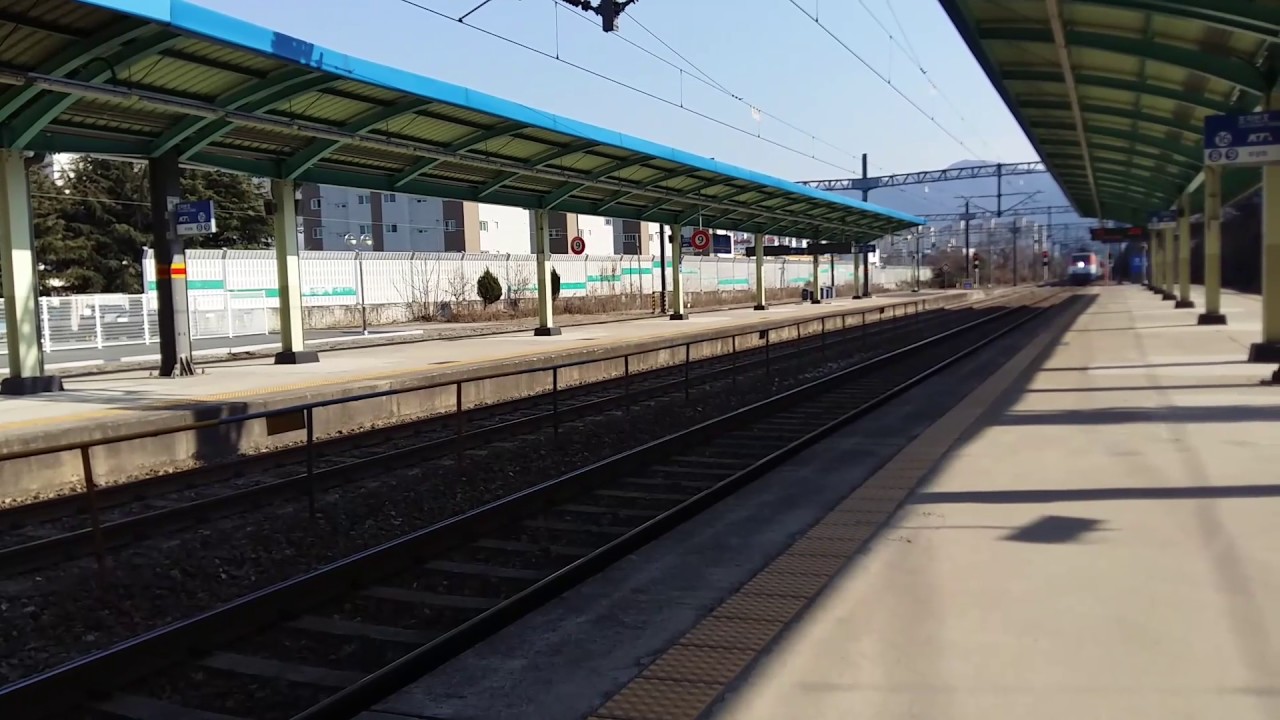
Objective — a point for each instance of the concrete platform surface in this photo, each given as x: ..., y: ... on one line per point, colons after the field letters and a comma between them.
x: 1101, y: 544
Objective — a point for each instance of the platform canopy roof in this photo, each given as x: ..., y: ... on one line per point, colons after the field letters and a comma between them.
x: 1113, y: 93
x: 140, y: 78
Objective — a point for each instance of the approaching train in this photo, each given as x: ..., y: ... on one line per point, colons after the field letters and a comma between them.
x: 1084, y: 268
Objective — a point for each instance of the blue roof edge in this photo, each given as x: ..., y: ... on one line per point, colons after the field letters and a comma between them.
x: 184, y: 15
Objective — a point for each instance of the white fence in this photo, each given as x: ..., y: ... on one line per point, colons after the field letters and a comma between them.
x: 78, y: 322
x: 343, y: 278
x: 233, y: 293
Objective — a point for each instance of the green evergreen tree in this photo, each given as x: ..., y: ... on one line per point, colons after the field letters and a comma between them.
x: 108, y: 210
x: 555, y: 284
x: 488, y: 288
x: 67, y: 265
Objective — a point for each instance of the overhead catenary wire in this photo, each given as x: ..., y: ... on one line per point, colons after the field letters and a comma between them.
x: 706, y: 82
x: 712, y: 83
x: 883, y: 78
x: 628, y: 86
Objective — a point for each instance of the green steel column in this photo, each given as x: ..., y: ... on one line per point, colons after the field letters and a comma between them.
x: 21, y: 292
x: 1184, y: 254
x: 760, y: 291
x: 1170, y: 260
x: 1154, y: 254
x: 816, y: 297
x: 542, y: 233
x: 677, y: 282
x: 289, y: 276
x: 1212, y: 314
x: 171, y: 268
x: 1268, y: 350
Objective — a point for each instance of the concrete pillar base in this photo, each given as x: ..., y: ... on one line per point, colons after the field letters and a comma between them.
x: 1184, y: 304
x: 1211, y: 319
x: 761, y: 307
x: 679, y: 316
x: 816, y: 301
x: 546, y: 331
x: 1264, y: 353
x: 1168, y: 296
x: 299, y: 357
x: 30, y: 385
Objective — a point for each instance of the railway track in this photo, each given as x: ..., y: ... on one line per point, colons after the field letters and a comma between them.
x: 330, y: 643
x: 51, y: 531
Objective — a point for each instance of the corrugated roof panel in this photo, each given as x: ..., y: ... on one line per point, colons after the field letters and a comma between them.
x: 243, y: 54
x: 466, y: 115
x: 371, y: 93
x: 180, y: 76
x: 247, y: 64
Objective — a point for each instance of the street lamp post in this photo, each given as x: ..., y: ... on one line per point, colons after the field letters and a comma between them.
x: 366, y: 240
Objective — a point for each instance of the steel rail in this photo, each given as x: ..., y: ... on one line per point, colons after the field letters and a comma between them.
x: 106, y: 670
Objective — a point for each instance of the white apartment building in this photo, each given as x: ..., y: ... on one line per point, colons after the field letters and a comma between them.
x: 333, y: 217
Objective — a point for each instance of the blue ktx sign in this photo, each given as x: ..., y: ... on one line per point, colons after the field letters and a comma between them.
x: 1245, y: 139
x: 1161, y: 219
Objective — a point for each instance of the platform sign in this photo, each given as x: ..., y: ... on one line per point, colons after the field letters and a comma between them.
x: 577, y: 245
x: 864, y: 249
x: 831, y: 248
x: 1117, y: 234
x: 721, y: 244
x: 194, y: 217
x: 700, y: 240
x: 1162, y: 219
x: 1242, y: 139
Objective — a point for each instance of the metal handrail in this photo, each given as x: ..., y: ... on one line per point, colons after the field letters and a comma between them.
x: 317, y: 404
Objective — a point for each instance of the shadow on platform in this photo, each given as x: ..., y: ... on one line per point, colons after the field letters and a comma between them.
x: 1218, y: 363
x: 1140, y: 388
x: 1027, y: 497
x: 1130, y: 415
x: 1132, y: 329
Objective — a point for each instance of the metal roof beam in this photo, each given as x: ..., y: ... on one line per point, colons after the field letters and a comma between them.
x: 501, y: 181
x: 550, y: 200
x: 72, y: 58
x: 1138, y: 152
x: 33, y: 119
x: 1251, y: 18
x: 559, y: 153
x: 1150, y: 141
x: 1044, y: 104
x: 1132, y: 186
x: 316, y: 151
x: 200, y: 131
x: 1235, y: 71
x: 617, y: 167
x: 1058, y: 33
x: 462, y: 145
x: 614, y: 200
x: 494, y: 165
x: 1054, y: 77
x: 1116, y: 165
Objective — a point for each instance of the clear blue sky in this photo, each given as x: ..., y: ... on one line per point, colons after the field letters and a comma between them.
x: 766, y: 51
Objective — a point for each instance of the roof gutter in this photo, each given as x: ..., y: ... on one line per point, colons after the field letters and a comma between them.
x: 1054, y: 9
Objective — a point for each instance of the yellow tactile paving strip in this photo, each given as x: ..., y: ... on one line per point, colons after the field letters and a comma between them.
x: 173, y: 404
x: 684, y: 681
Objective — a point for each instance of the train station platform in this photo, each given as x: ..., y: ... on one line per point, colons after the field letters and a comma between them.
x: 111, y: 405
x: 1090, y: 534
